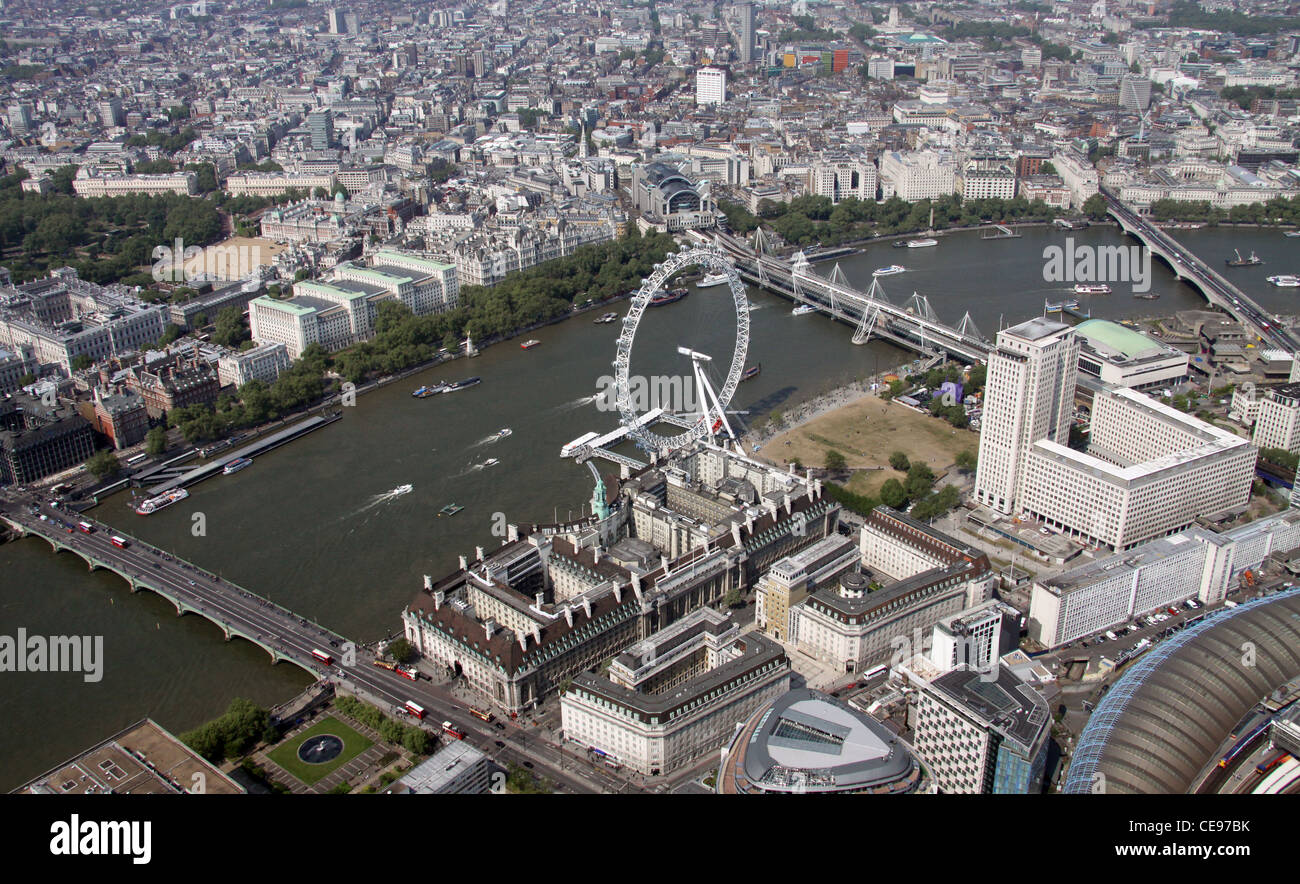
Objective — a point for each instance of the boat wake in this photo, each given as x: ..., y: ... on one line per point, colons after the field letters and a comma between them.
x: 385, y: 497
x: 580, y: 402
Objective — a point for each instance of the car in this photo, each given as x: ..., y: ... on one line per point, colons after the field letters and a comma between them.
x: 1044, y: 531
x: 499, y: 744
x: 499, y: 726
x: 1173, y: 612
x: 1083, y: 644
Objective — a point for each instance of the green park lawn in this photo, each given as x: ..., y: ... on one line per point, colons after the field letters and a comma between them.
x: 286, y: 754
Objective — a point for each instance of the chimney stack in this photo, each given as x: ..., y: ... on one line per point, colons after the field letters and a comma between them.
x: 464, y: 565
x: 478, y: 551
x: 438, y: 598
x: 568, y: 615
x: 586, y: 605
x: 540, y: 597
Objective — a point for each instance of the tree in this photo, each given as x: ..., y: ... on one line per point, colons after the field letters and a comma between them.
x: 61, y: 179
x: 156, y: 441
x: 892, y: 494
x: 1047, y: 169
x: 229, y: 330
x: 967, y: 460
x: 898, y: 460
x: 401, y: 650
x: 82, y: 362
x: 103, y: 464
x: 1095, y: 207
x: 835, y: 461
x: 920, y: 479
x: 733, y: 599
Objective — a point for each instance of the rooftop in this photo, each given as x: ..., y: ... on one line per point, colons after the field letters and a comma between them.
x: 807, y: 741
x: 1110, y: 339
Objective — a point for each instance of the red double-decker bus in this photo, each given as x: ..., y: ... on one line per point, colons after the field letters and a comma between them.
x: 481, y: 714
x: 415, y: 709
x: 119, y: 542
x: 452, y: 731
x: 322, y: 656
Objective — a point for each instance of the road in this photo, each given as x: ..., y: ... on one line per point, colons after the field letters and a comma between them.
x: 293, y: 638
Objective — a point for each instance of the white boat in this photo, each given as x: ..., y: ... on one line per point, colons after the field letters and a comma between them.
x: 921, y: 243
x: 491, y: 462
x: 888, y: 271
x: 803, y: 309
x: 1292, y: 233
x: 236, y: 465
x: 712, y: 279
x: 1082, y: 289
x: 502, y: 433
x: 1285, y: 282
x: 167, y: 498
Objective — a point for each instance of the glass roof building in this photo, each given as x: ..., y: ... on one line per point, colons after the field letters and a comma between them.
x: 1164, y: 721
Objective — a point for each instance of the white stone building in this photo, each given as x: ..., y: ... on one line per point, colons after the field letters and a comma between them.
x: 675, y: 697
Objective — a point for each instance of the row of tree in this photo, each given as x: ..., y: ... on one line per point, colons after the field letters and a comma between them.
x: 257, y: 402
x: 523, y: 299
x: 815, y: 219
x: 1277, y: 211
x: 415, y: 740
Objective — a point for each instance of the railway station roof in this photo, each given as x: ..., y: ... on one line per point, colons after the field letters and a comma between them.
x: 1165, y: 719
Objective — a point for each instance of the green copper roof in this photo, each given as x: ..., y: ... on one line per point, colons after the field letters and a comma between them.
x: 1116, y: 337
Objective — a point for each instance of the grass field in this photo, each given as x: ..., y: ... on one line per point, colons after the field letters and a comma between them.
x: 286, y: 754
x: 866, y: 433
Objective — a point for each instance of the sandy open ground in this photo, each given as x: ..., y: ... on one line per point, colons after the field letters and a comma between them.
x: 866, y: 432
x: 232, y: 258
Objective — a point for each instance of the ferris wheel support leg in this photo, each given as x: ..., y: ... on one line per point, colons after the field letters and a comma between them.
x: 722, y: 412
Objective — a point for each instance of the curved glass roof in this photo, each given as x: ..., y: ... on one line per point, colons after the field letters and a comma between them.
x: 1162, y: 722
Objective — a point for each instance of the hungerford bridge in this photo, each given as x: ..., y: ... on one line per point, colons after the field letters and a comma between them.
x: 912, y: 325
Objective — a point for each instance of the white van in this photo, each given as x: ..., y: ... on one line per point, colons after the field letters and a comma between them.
x: 1111, y: 635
